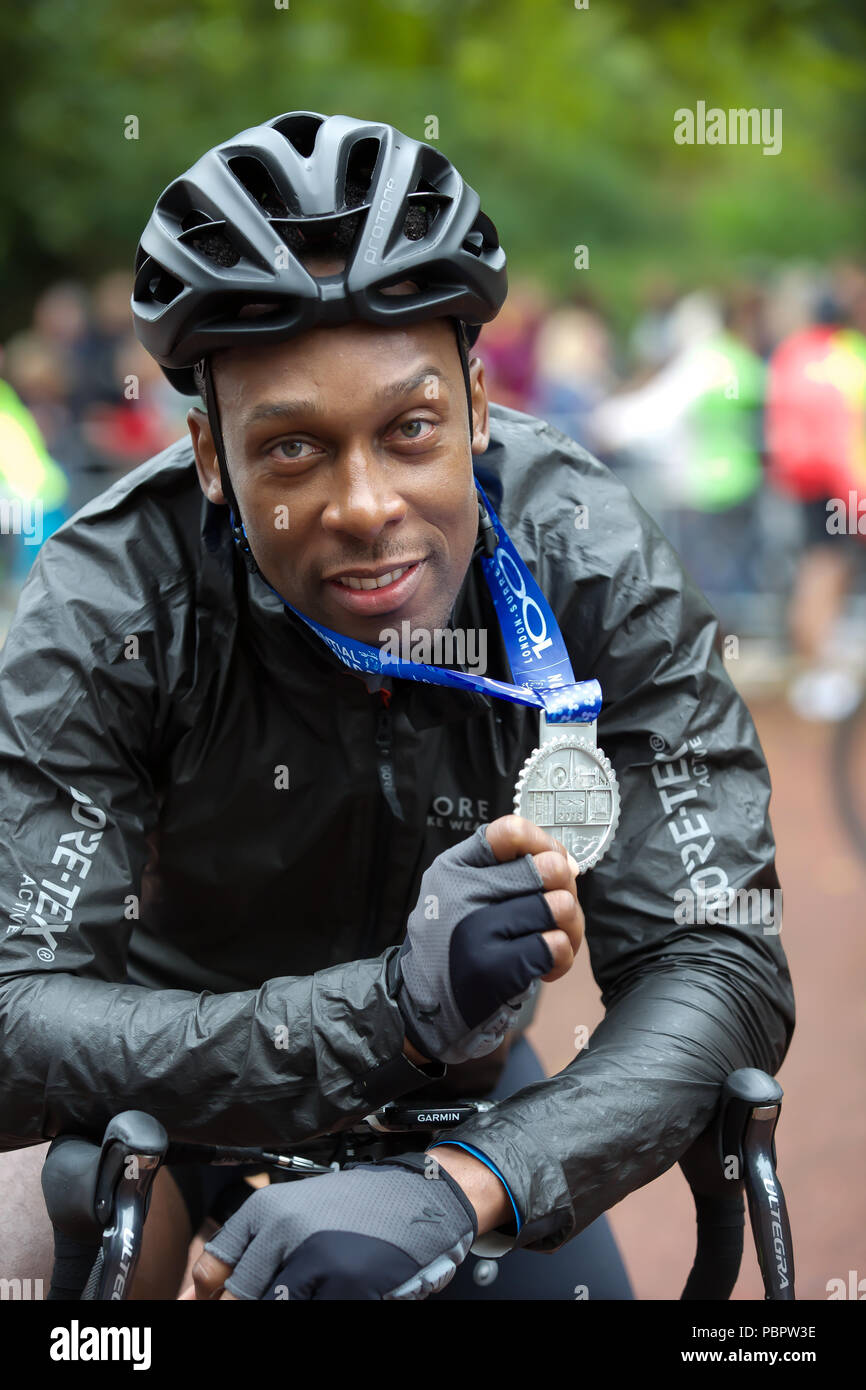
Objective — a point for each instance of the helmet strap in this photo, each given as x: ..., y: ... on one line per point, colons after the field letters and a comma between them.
x: 239, y: 535
x: 464, y: 365
x: 487, y: 540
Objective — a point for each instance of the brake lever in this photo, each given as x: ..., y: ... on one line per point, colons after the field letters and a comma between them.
x: 133, y: 1148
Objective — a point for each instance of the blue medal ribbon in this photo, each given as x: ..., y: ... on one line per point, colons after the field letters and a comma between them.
x: 537, y: 655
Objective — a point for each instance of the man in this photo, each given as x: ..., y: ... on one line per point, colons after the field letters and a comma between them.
x: 265, y: 814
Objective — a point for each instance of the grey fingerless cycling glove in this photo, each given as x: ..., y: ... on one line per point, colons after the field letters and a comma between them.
x: 473, y: 950
x: 376, y: 1231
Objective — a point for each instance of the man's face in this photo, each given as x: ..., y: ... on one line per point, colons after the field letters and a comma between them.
x: 348, y: 450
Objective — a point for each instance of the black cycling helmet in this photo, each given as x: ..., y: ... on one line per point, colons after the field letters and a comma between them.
x: 220, y: 263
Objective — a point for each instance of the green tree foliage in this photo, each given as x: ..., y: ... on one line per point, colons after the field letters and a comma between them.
x: 561, y: 117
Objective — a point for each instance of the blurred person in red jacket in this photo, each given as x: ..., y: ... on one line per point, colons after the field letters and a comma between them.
x: 816, y: 446
x: 508, y: 350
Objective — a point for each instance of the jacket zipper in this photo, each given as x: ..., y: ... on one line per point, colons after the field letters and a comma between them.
x: 384, y: 820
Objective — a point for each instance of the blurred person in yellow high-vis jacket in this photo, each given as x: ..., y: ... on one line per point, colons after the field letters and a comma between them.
x: 33, y: 487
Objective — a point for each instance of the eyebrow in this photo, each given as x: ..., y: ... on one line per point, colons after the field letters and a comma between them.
x: 395, y: 390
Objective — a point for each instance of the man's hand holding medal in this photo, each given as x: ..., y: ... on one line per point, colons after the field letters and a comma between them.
x: 496, y: 914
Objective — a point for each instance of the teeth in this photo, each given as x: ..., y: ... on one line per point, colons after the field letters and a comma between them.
x: 352, y: 582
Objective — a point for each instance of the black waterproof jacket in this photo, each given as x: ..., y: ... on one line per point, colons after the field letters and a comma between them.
x: 203, y: 887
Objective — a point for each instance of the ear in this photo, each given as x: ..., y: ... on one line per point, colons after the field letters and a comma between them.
x: 480, y: 411
x: 206, y: 463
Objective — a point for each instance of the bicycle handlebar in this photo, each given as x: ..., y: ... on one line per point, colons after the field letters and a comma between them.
x: 97, y: 1197
x: 737, y: 1152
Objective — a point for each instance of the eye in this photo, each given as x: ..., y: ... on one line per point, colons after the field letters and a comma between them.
x: 415, y: 428
x: 289, y: 450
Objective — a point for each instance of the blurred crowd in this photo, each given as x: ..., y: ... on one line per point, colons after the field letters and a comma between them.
x: 99, y: 399
x: 736, y: 415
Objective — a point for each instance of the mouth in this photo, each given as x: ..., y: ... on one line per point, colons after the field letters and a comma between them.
x: 369, y: 592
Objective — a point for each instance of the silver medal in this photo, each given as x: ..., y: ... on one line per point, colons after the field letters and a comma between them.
x: 569, y: 788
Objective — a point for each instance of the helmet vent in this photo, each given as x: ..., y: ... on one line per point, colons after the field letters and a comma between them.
x: 416, y: 223
x: 213, y: 244
x: 359, y: 172
x: 193, y: 218
x: 254, y: 177
x: 482, y: 237
x: 159, y: 285
x: 421, y: 212
x: 300, y: 131
x: 257, y: 311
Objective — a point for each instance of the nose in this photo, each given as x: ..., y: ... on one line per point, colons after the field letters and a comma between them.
x: 363, y: 499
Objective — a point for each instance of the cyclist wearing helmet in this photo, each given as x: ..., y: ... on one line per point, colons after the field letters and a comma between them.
x: 256, y: 886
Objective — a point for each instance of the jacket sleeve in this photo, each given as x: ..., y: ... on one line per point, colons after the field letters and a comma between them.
x: 691, y: 992
x: 82, y: 703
